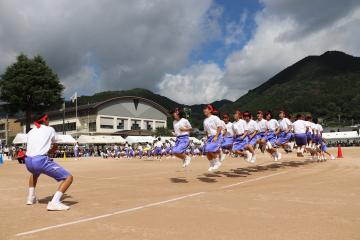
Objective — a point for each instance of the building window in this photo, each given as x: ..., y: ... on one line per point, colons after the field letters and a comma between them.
x: 92, y: 127
x: 160, y: 124
x: 69, y: 126
x: 149, y: 125
x: 106, y: 122
x: 2, y: 127
x: 2, y: 135
x: 121, y: 124
x: 135, y: 125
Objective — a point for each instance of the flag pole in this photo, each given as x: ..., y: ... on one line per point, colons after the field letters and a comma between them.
x: 76, y: 113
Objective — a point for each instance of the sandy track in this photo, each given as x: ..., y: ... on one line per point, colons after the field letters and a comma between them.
x: 143, y: 199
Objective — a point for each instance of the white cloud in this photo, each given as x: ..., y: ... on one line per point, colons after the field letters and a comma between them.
x: 287, y: 31
x: 269, y: 51
x: 201, y: 83
x: 132, y: 43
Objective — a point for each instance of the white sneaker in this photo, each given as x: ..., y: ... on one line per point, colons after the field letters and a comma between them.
x: 216, y: 165
x: 212, y: 163
x: 248, y: 156
x: 187, y: 161
x: 278, y: 156
x: 274, y: 155
x: 31, y: 200
x: 222, y: 158
x: 57, y: 206
x: 253, y: 159
x: 332, y: 157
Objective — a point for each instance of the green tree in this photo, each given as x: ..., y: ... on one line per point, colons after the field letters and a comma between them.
x: 161, y: 131
x: 30, y: 85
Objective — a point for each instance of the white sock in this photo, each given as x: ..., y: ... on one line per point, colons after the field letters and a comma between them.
x: 31, y: 192
x: 57, y: 196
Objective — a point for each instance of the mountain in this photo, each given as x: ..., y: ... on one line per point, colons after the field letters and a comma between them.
x: 326, y: 86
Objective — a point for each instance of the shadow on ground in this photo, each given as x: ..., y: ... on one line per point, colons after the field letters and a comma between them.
x: 64, y: 200
x: 246, y: 171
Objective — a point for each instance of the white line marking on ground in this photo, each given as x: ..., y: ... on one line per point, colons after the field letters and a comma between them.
x: 252, y: 180
x: 109, y: 214
x: 142, y: 207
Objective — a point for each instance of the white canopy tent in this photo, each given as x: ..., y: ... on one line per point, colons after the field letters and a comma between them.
x: 21, y: 138
x: 65, y: 139
x: 193, y: 139
x: 100, y: 139
x: 335, y: 136
x: 139, y: 139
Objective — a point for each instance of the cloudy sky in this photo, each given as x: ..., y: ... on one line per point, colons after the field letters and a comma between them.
x: 191, y: 51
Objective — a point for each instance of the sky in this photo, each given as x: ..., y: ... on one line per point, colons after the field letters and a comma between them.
x: 190, y: 51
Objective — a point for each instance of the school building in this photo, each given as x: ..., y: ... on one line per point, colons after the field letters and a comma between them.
x: 129, y: 115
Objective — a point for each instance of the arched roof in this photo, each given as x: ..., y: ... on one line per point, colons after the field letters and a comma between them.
x: 150, y: 102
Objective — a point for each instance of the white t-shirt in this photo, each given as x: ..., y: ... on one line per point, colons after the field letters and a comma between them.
x: 229, y: 130
x: 284, y: 124
x: 39, y: 140
x: 211, y: 124
x: 299, y: 126
x: 311, y: 126
x: 319, y: 129
x: 140, y: 148
x: 240, y: 127
x: 262, y: 125
x: 252, y: 126
x: 158, y: 144
x: 182, y: 123
x: 272, y: 125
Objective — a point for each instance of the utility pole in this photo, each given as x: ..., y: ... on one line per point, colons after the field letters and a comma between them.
x: 63, y: 124
x: 7, y: 130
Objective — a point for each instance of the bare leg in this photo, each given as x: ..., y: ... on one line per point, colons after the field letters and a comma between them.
x: 33, y: 181
x: 64, y: 185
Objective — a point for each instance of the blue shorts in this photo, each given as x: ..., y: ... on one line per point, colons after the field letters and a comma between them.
x: 260, y: 135
x: 309, y: 137
x: 157, y: 151
x: 253, y: 140
x: 181, y: 144
x: 212, y: 147
x: 283, y: 138
x: 239, y: 145
x: 44, y: 165
x: 323, y: 147
x: 300, y: 139
x: 271, y: 138
x: 227, y: 142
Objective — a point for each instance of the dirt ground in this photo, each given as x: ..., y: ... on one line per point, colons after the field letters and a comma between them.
x: 147, y: 199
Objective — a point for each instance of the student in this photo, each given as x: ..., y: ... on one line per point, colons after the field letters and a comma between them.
x: 76, y: 150
x: 261, y: 122
x: 253, y: 129
x: 228, y: 136
x: 323, y: 149
x: 158, y: 149
x: 310, y: 133
x: 39, y: 140
x: 284, y: 131
x: 182, y: 129
x: 212, y: 128
x: 240, y: 134
x: 21, y: 156
x: 272, y: 126
x: 300, y: 130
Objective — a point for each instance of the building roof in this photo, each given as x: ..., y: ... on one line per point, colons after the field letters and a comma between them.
x: 92, y: 107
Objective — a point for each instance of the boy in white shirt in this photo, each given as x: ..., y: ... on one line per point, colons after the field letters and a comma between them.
x: 39, y: 141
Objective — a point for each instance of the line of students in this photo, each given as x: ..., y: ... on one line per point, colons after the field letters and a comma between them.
x: 242, y: 136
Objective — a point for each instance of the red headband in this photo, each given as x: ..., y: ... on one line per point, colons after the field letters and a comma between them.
x: 210, y: 107
x: 41, y: 120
